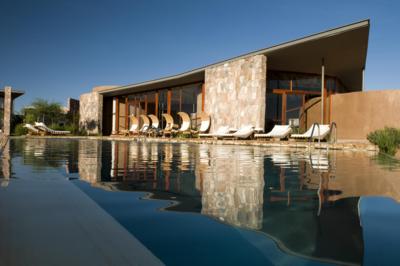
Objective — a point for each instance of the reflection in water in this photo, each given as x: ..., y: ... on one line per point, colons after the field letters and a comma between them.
x: 293, y: 198
x: 5, y: 165
x: 232, y: 184
x: 307, y: 203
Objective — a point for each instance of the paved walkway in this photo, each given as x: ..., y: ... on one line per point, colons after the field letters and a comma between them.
x: 47, y: 220
x: 347, y: 145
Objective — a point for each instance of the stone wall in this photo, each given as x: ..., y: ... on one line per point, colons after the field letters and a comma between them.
x: 7, y: 111
x: 91, y: 112
x: 235, y: 92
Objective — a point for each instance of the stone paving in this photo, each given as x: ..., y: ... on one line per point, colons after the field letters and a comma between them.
x: 348, y: 145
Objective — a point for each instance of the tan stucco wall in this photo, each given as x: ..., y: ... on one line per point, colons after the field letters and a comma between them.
x: 359, y: 113
x: 235, y: 92
x: 91, y: 112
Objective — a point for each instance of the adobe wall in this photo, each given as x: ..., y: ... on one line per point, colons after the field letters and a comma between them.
x: 235, y: 92
x: 91, y: 112
x: 359, y: 113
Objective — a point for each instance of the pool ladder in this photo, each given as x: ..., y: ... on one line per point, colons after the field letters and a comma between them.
x: 332, y: 128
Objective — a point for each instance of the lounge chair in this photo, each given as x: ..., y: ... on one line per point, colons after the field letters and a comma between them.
x: 46, y: 130
x: 205, y: 124
x: 31, y: 129
x: 169, y: 125
x: 146, y: 124
x: 243, y: 133
x: 220, y: 131
x: 317, y: 134
x: 185, y: 125
x: 155, y: 123
x: 134, y: 129
x: 278, y: 132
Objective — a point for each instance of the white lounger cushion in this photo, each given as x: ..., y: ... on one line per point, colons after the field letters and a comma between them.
x: 31, y: 128
x: 243, y: 133
x: 205, y: 125
x: 279, y: 131
x: 185, y: 126
x: 323, y: 132
x: 219, y: 131
x: 134, y: 127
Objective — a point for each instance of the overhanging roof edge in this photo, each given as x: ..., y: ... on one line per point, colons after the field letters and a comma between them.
x: 312, y: 37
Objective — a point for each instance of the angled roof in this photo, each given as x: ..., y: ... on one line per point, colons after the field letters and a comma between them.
x: 14, y: 93
x: 344, y: 50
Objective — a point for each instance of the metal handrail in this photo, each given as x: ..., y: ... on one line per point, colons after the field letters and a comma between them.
x: 312, y: 133
x: 333, y: 125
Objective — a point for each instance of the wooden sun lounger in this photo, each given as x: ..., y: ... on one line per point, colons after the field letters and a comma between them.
x: 169, y: 125
x: 185, y: 125
x: 31, y: 129
x: 278, y: 132
x: 42, y: 127
x: 323, y: 132
x: 205, y: 124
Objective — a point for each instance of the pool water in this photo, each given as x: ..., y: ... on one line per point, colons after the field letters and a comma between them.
x: 198, y: 204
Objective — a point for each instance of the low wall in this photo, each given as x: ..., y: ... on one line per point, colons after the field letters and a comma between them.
x: 359, y: 113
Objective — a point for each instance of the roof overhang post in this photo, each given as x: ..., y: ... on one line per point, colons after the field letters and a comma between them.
x: 322, y: 89
x: 363, y: 79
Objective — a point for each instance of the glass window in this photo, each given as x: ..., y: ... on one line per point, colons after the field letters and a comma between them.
x: 273, y: 110
x: 122, y: 113
x: 162, y: 105
x: 175, y: 103
x: 293, y: 106
x: 190, y: 98
x: 151, y: 103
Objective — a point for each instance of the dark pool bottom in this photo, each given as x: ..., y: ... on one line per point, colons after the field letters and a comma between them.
x: 193, y: 239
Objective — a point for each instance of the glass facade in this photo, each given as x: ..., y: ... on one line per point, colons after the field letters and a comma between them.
x: 279, y: 80
x: 178, y: 99
x: 286, y: 94
x: 288, y: 91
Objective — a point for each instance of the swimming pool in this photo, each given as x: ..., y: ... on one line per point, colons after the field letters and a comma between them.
x: 198, y: 204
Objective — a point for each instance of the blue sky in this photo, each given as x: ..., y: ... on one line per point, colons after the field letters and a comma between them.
x: 56, y: 49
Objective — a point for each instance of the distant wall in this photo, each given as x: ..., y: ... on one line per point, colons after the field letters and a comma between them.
x: 91, y: 112
x: 235, y: 92
x: 73, y: 105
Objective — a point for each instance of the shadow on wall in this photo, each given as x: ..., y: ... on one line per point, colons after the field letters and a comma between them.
x: 90, y: 126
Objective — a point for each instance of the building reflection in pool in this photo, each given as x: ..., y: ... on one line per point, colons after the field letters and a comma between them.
x: 283, y: 195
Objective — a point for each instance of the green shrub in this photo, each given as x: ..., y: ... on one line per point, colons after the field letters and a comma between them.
x: 72, y: 128
x: 387, y: 139
x: 20, y: 130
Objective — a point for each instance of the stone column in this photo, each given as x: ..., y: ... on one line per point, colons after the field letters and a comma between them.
x: 91, y: 113
x: 7, y: 111
x: 235, y: 92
